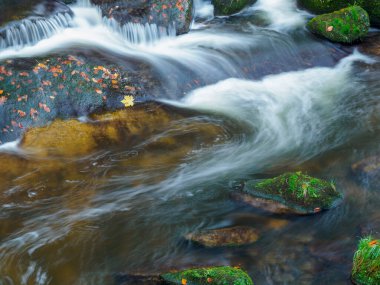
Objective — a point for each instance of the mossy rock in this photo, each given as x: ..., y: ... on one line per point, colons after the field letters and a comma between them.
x: 327, y: 6
x: 301, y: 193
x: 366, y: 263
x: 229, y: 237
x: 229, y: 7
x: 344, y: 26
x: 214, y: 275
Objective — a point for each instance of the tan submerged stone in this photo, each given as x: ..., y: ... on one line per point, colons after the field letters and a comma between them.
x: 234, y: 236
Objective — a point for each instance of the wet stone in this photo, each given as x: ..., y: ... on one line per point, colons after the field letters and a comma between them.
x: 225, y: 237
x: 290, y: 193
x: 344, y: 26
x: 162, y: 13
x: 214, y: 275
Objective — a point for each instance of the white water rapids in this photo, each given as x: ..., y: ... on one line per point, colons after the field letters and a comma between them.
x: 286, y: 117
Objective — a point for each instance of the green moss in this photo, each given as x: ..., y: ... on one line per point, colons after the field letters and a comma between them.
x: 366, y: 263
x: 298, y: 191
x: 345, y: 26
x: 223, y: 275
x: 229, y: 7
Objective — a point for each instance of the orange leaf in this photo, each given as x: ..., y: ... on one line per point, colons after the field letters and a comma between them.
x: 184, y: 281
x: 1, y: 92
x: 21, y: 113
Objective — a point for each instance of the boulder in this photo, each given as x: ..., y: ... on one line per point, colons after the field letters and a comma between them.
x: 229, y: 7
x: 366, y: 262
x: 34, y: 92
x: 292, y: 193
x: 327, y: 6
x: 165, y: 13
x: 344, y: 26
x: 234, y: 236
x: 214, y: 275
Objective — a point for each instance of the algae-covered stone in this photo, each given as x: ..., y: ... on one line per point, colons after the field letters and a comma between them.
x: 366, y: 263
x: 235, y: 236
x: 302, y: 193
x: 214, y: 275
x: 327, y: 6
x: 344, y: 26
x: 229, y: 7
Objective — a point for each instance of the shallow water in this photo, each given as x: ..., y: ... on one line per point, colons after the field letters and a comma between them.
x: 246, y: 99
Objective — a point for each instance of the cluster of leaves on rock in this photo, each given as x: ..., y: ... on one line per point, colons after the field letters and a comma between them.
x: 57, y: 87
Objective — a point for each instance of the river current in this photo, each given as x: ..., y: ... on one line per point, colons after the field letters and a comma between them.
x: 281, y: 99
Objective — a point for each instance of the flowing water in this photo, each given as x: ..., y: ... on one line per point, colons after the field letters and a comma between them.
x: 265, y: 97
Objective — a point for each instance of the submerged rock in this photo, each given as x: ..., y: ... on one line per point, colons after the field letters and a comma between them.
x: 229, y: 7
x: 163, y: 13
x: 214, y: 275
x: 366, y: 262
x: 129, y: 127
x: 368, y: 170
x: 291, y: 193
x: 235, y: 236
x: 344, y: 26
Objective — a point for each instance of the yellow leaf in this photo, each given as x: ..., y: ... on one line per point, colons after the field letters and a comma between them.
x: 1, y: 92
x: 184, y: 281
x: 128, y: 101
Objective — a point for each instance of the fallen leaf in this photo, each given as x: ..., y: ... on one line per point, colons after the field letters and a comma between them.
x: 329, y: 28
x: 184, y: 281
x: 128, y: 101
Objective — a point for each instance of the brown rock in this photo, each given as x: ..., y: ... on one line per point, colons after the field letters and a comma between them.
x: 235, y: 236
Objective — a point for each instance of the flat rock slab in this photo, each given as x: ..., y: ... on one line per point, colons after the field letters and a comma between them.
x: 225, y: 237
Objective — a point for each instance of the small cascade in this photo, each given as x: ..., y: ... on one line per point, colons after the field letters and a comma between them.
x: 137, y: 33
x: 30, y: 31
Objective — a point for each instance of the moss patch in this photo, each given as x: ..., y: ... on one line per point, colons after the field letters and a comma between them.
x: 328, y: 6
x: 298, y: 191
x: 366, y: 263
x: 215, y: 275
x: 344, y: 26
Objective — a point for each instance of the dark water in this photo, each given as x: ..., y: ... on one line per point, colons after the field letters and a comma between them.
x: 240, y: 101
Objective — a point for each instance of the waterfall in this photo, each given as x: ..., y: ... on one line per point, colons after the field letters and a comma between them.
x: 30, y: 31
x: 137, y: 33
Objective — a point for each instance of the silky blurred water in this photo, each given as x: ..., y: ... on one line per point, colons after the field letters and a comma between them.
x: 262, y: 97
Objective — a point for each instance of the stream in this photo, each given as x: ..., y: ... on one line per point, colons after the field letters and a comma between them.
x: 249, y: 96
